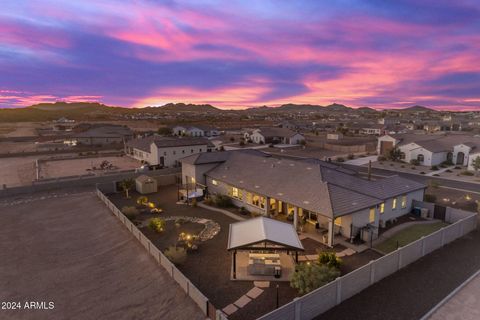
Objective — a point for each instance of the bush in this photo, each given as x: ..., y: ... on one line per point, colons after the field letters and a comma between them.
x: 310, y: 276
x: 422, y: 172
x: 130, y: 212
x: 449, y: 171
x: 340, y: 159
x: 194, y: 202
x: 157, y: 224
x: 351, y: 156
x: 382, y: 158
x: 223, y: 201
x: 329, y: 259
x: 430, y: 197
x: 467, y: 173
x: 457, y: 168
x: 415, y: 162
x: 208, y: 201
x: 177, y: 255
x: 142, y: 200
x: 434, y: 168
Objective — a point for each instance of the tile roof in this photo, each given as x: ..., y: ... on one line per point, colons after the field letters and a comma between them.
x: 276, y: 132
x: 312, y: 186
x: 217, y: 157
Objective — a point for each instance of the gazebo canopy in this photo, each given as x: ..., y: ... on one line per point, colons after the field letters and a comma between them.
x: 246, y: 234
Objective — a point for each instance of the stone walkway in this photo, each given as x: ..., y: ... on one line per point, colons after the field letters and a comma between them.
x: 225, y: 212
x: 252, y: 294
x: 431, y: 174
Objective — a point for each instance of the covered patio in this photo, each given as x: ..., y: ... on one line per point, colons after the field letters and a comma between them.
x: 263, y: 249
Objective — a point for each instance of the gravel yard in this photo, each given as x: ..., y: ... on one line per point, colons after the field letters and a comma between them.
x: 72, y: 251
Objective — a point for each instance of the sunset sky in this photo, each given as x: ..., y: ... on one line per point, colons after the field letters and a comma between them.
x: 235, y: 54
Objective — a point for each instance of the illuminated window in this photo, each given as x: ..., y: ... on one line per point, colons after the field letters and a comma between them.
x: 382, y: 207
x: 215, y: 182
x: 394, y: 204
x: 371, y: 217
x: 338, y: 221
x: 236, y: 193
x: 404, y: 202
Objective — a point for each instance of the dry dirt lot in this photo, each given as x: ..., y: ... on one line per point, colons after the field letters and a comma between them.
x: 73, y: 252
x: 73, y: 167
x: 19, y: 129
x: 17, y: 171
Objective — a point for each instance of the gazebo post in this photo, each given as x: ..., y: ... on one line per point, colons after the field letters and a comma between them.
x: 296, y: 256
x: 234, y: 257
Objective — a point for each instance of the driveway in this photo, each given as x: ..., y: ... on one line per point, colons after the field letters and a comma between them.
x: 71, y: 251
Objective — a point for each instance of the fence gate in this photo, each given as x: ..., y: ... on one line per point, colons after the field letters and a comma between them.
x: 439, y: 212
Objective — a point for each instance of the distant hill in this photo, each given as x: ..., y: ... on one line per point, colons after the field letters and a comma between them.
x: 337, y: 107
x: 367, y: 110
x: 59, y: 105
x: 292, y: 107
x: 418, y: 109
x: 182, y: 107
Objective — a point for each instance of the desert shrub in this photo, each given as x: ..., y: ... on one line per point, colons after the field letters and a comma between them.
x: 467, y: 173
x: 142, y: 200
x: 130, y: 212
x: 208, y: 201
x: 422, y: 172
x: 449, y: 171
x: 447, y: 163
x: 434, y: 168
x: 177, y: 255
x: 340, y: 159
x: 329, y: 259
x: 382, y: 158
x: 351, y: 156
x: 413, y: 168
x: 223, y: 201
x: 157, y: 224
x: 415, y: 162
x: 241, y: 143
x: 194, y: 202
x: 310, y: 276
x: 430, y: 197
x: 457, y: 168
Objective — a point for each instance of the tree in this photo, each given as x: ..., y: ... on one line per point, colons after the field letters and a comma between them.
x: 157, y: 224
x: 476, y: 164
x: 142, y: 200
x: 394, y: 154
x: 164, y: 131
x: 329, y: 259
x: 127, y: 185
x: 310, y: 276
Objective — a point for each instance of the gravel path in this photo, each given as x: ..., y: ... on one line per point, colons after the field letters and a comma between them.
x: 414, y: 290
x: 72, y: 251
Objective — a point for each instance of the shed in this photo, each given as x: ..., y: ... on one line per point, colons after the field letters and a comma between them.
x: 145, y: 184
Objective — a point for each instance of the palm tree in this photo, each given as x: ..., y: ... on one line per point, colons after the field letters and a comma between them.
x: 127, y: 185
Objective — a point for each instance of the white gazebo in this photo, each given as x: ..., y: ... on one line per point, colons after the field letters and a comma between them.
x: 262, y: 249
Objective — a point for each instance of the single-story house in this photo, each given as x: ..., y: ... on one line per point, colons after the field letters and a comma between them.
x: 431, y: 150
x: 195, y: 131
x: 335, y: 201
x: 100, y: 134
x: 471, y: 161
x: 165, y: 151
x: 275, y: 135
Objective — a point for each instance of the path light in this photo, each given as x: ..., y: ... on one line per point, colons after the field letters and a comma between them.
x: 468, y: 197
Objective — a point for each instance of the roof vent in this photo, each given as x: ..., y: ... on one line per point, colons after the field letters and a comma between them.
x: 257, y: 187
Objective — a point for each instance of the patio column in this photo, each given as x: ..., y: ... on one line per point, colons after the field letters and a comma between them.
x: 267, y: 206
x: 234, y: 263
x: 331, y: 225
x: 295, y: 217
x: 277, y: 206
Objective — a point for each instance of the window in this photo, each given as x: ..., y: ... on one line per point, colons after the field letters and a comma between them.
x: 338, y: 221
x: 421, y: 157
x: 394, y: 204
x: 183, y: 151
x: 404, y: 202
x: 257, y: 200
x: 215, y: 182
x: 382, y: 207
x: 236, y: 193
x: 371, y: 217
x: 200, y: 150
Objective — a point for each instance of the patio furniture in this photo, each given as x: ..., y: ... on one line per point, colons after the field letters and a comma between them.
x: 263, y: 264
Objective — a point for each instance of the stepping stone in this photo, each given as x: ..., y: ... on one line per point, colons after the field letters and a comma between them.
x: 349, y: 251
x: 228, y: 310
x: 254, y: 292
x: 261, y: 284
x: 242, y: 302
x: 340, y: 254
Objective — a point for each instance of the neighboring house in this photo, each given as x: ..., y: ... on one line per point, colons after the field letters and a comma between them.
x: 195, y: 131
x: 335, y: 201
x: 275, y: 135
x: 165, y: 151
x: 431, y: 150
x: 101, y: 134
x: 365, y: 128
